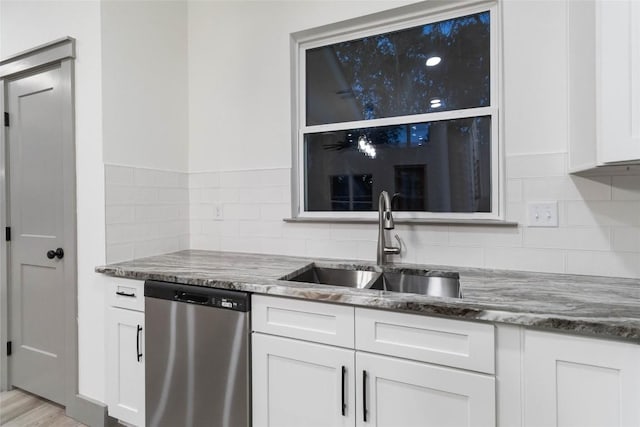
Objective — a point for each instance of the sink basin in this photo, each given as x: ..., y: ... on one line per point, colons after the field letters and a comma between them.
x: 337, y: 276
x: 445, y: 284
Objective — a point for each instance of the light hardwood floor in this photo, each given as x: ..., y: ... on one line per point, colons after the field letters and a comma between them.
x: 21, y: 409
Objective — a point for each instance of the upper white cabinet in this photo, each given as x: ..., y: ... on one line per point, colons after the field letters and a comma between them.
x: 604, y: 83
x: 576, y: 381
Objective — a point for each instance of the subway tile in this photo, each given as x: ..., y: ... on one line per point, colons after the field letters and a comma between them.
x: 244, y: 244
x: 485, y: 236
x: 201, y: 211
x: 241, y: 211
x: 119, y: 195
x: 261, y: 229
x: 120, y: 233
x: 173, y: 195
x: 339, y: 249
x: 567, y: 188
x: 149, y: 178
x: 280, y: 246
x: 450, y: 256
x: 610, y: 213
x: 515, y: 212
x: 626, y: 239
x: 205, y: 242
x: 587, y: 238
x: 195, y: 195
x: 626, y: 187
x: 600, y: 263
x: 356, y: 232
x: 536, y: 165
x: 156, y: 247
x: 415, y: 237
x: 525, y: 259
x: 514, y: 190
x: 300, y: 230
x: 119, y: 214
x: 119, y: 252
x: 204, y: 180
x: 276, y: 211
x: 146, y: 196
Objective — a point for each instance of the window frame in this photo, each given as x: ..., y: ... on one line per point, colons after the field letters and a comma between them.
x: 379, y: 23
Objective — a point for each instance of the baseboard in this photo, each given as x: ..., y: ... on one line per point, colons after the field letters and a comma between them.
x: 88, y: 411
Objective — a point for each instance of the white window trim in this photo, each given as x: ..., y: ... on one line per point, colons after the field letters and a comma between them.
x: 387, y: 21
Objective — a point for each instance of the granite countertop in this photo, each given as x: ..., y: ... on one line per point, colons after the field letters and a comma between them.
x: 599, y: 306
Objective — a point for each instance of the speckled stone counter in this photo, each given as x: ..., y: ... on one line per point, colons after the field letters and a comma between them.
x: 599, y: 306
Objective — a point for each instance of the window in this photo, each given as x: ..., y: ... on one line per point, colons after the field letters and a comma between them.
x: 408, y: 105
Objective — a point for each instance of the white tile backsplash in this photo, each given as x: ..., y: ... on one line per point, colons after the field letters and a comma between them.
x: 147, y: 212
x: 154, y: 211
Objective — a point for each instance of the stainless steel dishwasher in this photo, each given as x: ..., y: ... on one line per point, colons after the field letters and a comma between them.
x: 197, y: 356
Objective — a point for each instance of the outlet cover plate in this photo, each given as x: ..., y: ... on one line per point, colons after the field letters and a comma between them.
x: 542, y: 214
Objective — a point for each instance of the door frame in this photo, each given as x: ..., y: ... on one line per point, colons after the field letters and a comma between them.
x: 63, y: 52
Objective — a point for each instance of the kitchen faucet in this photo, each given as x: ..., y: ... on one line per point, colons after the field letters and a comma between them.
x: 385, y: 222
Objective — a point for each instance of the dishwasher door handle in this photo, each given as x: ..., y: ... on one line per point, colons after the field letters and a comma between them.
x: 191, y: 298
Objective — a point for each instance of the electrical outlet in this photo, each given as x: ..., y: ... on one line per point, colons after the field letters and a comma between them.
x: 218, y: 212
x: 543, y: 214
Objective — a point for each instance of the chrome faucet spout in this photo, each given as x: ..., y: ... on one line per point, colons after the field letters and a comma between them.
x: 385, y: 222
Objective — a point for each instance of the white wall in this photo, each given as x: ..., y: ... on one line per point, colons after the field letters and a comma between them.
x: 239, y: 153
x: 144, y: 73
x: 239, y: 77
x: 24, y: 25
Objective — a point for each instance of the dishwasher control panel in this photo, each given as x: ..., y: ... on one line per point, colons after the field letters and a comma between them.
x: 212, y: 297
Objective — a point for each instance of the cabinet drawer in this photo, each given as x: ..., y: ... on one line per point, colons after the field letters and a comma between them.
x: 126, y: 293
x: 312, y: 321
x: 455, y: 343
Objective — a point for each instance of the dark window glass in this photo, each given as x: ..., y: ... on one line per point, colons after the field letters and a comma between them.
x: 438, y: 166
x: 387, y: 75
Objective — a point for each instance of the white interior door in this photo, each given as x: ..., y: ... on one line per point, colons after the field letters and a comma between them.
x: 41, y: 184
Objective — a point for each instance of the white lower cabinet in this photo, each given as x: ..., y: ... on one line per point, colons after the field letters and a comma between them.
x: 401, y: 393
x: 581, y: 382
x: 297, y: 383
x: 126, y: 355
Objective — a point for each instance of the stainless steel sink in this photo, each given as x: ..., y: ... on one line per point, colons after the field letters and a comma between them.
x: 337, y: 276
x: 445, y: 284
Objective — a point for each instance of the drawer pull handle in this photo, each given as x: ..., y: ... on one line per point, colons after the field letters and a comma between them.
x: 364, y: 396
x: 126, y: 294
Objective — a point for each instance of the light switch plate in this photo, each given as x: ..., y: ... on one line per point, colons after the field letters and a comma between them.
x: 543, y: 214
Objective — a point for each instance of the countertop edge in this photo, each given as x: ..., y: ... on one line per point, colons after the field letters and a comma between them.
x: 449, y: 308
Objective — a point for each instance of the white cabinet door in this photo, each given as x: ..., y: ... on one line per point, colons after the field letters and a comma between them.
x: 301, y: 384
x: 618, y: 58
x: 125, y: 354
x: 401, y: 393
x: 581, y: 382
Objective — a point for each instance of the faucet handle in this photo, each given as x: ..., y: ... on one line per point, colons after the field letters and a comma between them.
x: 394, y: 250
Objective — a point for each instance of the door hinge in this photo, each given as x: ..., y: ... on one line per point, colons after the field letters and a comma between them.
x: 6, y: 119
x: 8, y: 348
x: 7, y: 234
